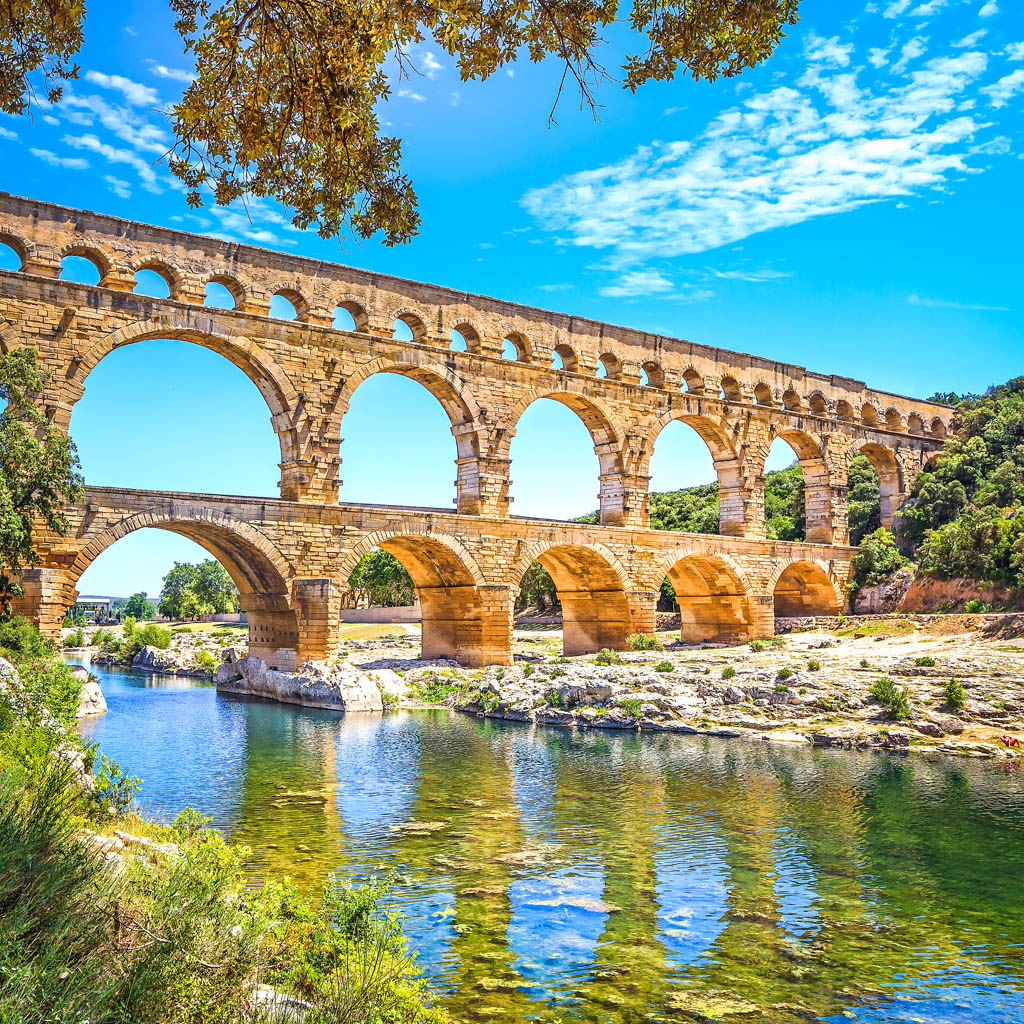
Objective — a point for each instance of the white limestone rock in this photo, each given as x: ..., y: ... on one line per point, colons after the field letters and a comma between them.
x: 91, y: 700
x: 315, y: 684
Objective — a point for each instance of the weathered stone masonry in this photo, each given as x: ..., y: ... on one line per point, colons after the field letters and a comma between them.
x: 291, y: 557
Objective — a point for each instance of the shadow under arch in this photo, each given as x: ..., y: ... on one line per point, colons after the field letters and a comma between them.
x: 603, y: 432
x: 890, y: 478
x: 713, y: 597
x: 817, y: 483
x: 728, y: 468
x: 592, y: 588
x: 455, y: 398
x: 269, y: 378
x: 803, y: 588
x: 259, y: 570
x: 459, y: 620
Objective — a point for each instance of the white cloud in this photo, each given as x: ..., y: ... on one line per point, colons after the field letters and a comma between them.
x: 926, y: 10
x: 136, y: 94
x: 120, y: 188
x: 69, y: 163
x: 562, y: 287
x: 972, y: 40
x: 828, y: 51
x: 877, y: 56
x: 896, y: 8
x: 6, y: 133
x: 416, y: 97
x: 780, y: 157
x: 118, y: 156
x: 989, y: 9
x: 910, y: 51
x: 1015, y: 51
x: 121, y: 121
x: 918, y: 300
x: 636, y: 283
x: 1008, y: 86
x: 752, y: 276
x: 431, y: 65
x: 174, y: 74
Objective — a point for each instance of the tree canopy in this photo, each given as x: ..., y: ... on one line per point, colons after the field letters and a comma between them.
x: 285, y: 99
x: 384, y: 578
x: 190, y: 590
x: 39, y: 470
x: 139, y: 607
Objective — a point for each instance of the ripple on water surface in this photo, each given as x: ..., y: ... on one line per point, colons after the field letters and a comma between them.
x: 605, y: 876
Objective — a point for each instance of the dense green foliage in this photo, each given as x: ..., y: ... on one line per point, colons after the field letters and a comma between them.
x: 39, y: 469
x: 384, y: 578
x: 537, y: 590
x: 877, y: 558
x: 139, y: 607
x: 963, y: 518
x: 190, y: 590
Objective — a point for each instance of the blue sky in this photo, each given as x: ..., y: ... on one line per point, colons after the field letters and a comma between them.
x: 853, y: 206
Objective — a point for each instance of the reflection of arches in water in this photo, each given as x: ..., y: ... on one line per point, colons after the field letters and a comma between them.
x: 804, y: 588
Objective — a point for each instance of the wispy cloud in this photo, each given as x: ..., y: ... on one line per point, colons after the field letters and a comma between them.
x: 919, y: 300
x: 431, y: 65
x: 753, y: 276
x: 1008, y: 86
x: 638, y: 283
x: 989, y: 10
x: 847, y: 137
x: 6, y: 133
x: 174, y: 74
x: 116, y: 155
x: 135, y: 93
x: 120, y: 188
x: 68, y: 163
x: 409, y: 94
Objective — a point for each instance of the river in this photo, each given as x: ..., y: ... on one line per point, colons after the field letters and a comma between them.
x: 604, y: 876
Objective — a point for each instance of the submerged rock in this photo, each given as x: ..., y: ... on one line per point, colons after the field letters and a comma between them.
x: 315, y: 684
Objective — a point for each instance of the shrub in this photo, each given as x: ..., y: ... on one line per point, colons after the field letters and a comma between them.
x: 663, y: 666
x: 953, y: 695
x: 97, y: 638
x: 883, y: 690
x: 488, y: 701
x: 758, y: 645
x: 896, y: 702
x: 20, y: 640
x: 781, y: 688
x: 864, y: 663
x: 784, y: 673
x: 556, y: 672
x: 900, y: 707
x: 115, y: 791
x: 76, y: 638
x: 777, y: 643
x: 606, y: 656
x: 728, y: 672
x: 813, y: 665
x: 528, y: 671
x: 553, y: 698
x: 876, y: 558
x: 633, y: 707
x: 181, y: 629
x: 644, y: 642
x: 189, y: 823
x: 155, y: 636
x: 206, y: 661
x: 974, y: 606
x: 925, y: 661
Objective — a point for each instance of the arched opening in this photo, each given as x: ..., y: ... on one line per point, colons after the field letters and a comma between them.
x: 915, y: 424
x: 456, y: 342
x: 255, y: 568
x: 222, y: 293
x: 804, y: 589
x: 784, y: 493
x: 652, y: 375
x: 175, y: 415
x: 409, y: 327
x: 561, y: 449
x: 595, y: 610
x: 608, y: 366
x: 731, y: 390
x: 819, y: 407
x: 465, y: 338
x: 844, y: 411
x: 887, y: 491
x: 12, y: 253
x: 515, y: 348
x: 712, y: 600
x: 564, y: 358
x: 685, y: 489
x: 893, y: 419
x: 82, y: 267
x: 349, y: 316
x: 400, y: 439
x: 938, y: 427
x: 869, y: 415
x: 452, y: 611
x: 791, y: 400
x: 763, y: 395
x: 153, y: 281
x: 286, y: 305
x: 693, y: 382
x: 863, y: 505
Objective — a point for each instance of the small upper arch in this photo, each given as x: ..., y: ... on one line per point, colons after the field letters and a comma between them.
x: 938, y: 427
x: 223, y: 283
x: 915, y: 423
x: 818, y: 403
x: 350, y: 315
x: 18, y: 251
x: 297, y: 307
x: 730, y: 388
x: 89, y: 253
x: 844, y: 411
x: 693, y: 382
x: 414, y: 323
x: 469, y: 333
x: 161, y: 270
x: 869, y: 414
x: 791, y: 400
x: 652, y: 375
x: 563, y: 357
x: 610, y: 364
x: 515, y: 347
x: 763, y: 394
x: 893, y: 418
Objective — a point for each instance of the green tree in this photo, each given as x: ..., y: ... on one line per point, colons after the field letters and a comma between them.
x: 287, y: 94
x: 139, y: 606
x: 537, y: 590
x: 784, y: 504
x: 39, y: 469
x: 213, y: 586
x: 864, y: 499
x: 876, y: 558
x: 384, y: 578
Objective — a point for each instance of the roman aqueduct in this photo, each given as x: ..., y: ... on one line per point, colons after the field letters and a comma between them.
x: 291, y: 556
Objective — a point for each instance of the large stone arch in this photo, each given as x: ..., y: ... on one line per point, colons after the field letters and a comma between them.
x: 728, y: 466
x: 592, y: 587
x: 462, y: 617
x: 604, y: 432
x: 262, y: 574
x: 455, y: 398
x: 713, y: 595
x: 810, y: 454
x: 890, y: 477
x: 804, y: 587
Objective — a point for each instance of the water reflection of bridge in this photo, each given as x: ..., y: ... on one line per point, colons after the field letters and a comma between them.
x: 617, y: 877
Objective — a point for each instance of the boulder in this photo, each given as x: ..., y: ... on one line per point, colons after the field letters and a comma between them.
x: 390, y: 683
x: 153, y: 659
x: 584, y: 694
x: 74, y: 759
x: 315, y: 684
x: 91, y: 700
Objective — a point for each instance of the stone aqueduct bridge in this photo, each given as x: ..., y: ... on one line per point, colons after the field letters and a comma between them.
x: 291, y: 556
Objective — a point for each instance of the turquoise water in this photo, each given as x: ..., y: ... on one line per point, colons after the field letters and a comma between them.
x: 603, y: 876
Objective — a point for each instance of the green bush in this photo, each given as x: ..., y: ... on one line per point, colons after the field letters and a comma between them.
x: 74, y: 639
x: 777, y: 643
x: 728, y: 672
x: 864, y: 663
x: 644, y: 642
x: 925, y: 661
x: 896, y: 702
x: 181, y: 629
x: 813, y: 665
x: 663, y: 666
x: 953, y: 695
x: 606, y: 656
x: 784, y: 673
x: 876, y: 559
x: 632, y: 706
x: 976, y: 607
x: 528, y: 671
x: 553, y: 698
x: 153, y: 635
x: 206, y: 661
x: 758, y: 645
x: 556, y: 672
x: 20, y: 640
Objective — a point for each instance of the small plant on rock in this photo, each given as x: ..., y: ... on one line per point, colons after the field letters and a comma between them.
x: 644, y: 642
x: 528, y: 671
x: 813, y: 665
x: 784, y: 673
x: 206, y: 661
x: 663, y: 666
x: 896, y: 702
x: 606, y: 656
x: 777, y: 643
x: 864, y: 663
x: 728, y: 672
x: 953, y: 695
x: 758, y: 645
x: 633, y: 707
x: 925, y: 661
x: 553, y: 699
x: 976, y: 607
x: 556, y: 672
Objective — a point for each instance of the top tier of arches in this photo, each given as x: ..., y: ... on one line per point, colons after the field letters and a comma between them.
x: 333, y: 297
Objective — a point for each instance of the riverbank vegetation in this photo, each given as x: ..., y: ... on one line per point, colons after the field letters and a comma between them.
x: 111, y: 918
